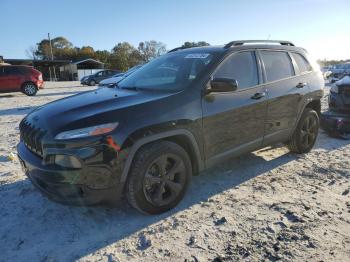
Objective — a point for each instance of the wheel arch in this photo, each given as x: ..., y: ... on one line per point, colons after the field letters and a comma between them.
x: 310, y: 103
x: 182, y: 137
x: 315, y: 105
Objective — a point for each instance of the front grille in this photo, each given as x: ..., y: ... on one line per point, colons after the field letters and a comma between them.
x: 32, y: 136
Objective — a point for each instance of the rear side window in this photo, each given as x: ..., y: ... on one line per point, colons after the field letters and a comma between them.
x: 302, y: 63
x: 241, y: 67
x: 11, y: 70
x: 277, y: 65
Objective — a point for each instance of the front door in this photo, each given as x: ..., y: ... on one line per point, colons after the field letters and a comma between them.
x: 233, y: 122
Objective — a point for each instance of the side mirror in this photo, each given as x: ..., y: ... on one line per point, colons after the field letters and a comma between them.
x: 222, y: 85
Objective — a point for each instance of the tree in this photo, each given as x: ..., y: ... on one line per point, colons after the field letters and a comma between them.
x: 151, y: 49
x: 61, y: 49
x: 104, y: 57
x: 31, y: 52
x: 325, y: 62
x: 85, y: 52
x: 194, y: 44
x: 124, y: 56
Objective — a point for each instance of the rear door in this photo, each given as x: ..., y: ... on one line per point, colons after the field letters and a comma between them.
x: 233, y: 122
x: 2, y: 80
x: 285, y: 95
x: 10, y: 79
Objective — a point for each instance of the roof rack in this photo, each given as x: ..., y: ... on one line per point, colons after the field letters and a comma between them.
x: 242, y: 42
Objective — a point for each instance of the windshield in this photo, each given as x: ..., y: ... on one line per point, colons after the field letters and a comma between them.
x: 131, y: 70
x: 173, y: 71
x: 117, y: 75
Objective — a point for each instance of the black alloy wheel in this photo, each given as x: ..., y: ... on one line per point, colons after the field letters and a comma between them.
x: 165, y: 178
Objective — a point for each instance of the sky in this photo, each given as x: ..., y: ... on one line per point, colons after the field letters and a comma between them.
x: 320, y: 26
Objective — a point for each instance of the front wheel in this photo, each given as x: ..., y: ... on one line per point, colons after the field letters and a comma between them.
x: 159, y: 177
x: 29, y: 89
x: 92, y: 83
x: 305, y: 134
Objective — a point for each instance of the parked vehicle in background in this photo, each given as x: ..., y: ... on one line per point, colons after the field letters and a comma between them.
x: 110, y: 82
x: 336, y: 121
x: 96, y: 78
x: 339, y: 71
x: 24, y: 79
x: 177, y: 115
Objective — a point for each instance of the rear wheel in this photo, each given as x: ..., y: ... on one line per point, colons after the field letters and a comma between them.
x: 305, y: 134
x: 29, y: 89
x: 159, y: 177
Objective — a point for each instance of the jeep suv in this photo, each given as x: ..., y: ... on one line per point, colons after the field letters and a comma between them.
x: 24, y: 79
x: 177, y: 115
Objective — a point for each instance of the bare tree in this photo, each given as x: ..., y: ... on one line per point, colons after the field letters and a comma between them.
x: 151, y: 49
x: 31, y: 52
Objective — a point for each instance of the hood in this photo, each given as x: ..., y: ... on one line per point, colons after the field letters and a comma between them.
x: 85, y: 77
x: 101, y: 106
x: 345, y: 81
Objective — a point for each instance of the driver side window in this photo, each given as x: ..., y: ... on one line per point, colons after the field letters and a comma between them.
x: 241, y: 67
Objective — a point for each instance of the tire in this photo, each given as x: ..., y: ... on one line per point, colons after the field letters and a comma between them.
x: 29, y: 89
x: 92, y: 83
x: 305, y: 134
x: 159, y: 177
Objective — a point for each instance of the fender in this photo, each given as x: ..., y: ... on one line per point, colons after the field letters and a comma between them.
x: 317, y: 97
x: 156, y: 137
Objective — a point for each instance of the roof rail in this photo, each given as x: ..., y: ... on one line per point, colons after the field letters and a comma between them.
x: 242, y: 42
x: 177, y: 48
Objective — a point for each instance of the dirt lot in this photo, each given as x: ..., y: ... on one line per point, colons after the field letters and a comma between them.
x: 268, y: 205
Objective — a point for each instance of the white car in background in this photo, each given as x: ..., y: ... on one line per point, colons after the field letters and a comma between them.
x: 110, y: 82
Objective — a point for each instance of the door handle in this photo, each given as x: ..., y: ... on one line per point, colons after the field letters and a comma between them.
x: 257, y: 96
x: 301, y: 85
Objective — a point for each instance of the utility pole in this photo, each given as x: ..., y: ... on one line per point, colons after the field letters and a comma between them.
x: 54, y: 70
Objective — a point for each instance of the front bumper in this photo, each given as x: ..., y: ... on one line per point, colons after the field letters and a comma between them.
x: 40, y: 84
x: 69, y: 186
x: 84, y: 81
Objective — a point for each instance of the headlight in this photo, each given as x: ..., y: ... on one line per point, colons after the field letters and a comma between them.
x: 335, y: 89
x: 87, y: 131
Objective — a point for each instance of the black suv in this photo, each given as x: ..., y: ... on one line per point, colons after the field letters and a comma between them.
x: 177, y: 115
x: 96, y: 78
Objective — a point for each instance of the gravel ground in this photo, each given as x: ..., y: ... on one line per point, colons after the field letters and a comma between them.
x: 268, y: 205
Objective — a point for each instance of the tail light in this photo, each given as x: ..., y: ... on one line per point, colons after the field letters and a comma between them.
x: 40, y: 77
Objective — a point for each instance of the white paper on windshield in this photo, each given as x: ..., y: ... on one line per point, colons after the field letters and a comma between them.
x: 198, y: 55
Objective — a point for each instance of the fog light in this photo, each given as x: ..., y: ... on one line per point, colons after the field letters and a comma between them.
x: 67, y: 161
